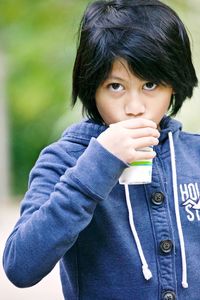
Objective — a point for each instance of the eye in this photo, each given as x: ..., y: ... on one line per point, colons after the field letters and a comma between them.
x: 150, y: 86
x: 116, y: 87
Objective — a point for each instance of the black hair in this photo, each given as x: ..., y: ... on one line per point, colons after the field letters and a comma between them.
x: 148, y: 34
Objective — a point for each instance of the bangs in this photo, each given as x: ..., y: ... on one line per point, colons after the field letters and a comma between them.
x: 146, y: 59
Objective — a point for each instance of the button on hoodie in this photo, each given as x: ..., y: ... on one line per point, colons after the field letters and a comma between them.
x: 157, y: 198
x: 169, y: 295
x: 166, y: 246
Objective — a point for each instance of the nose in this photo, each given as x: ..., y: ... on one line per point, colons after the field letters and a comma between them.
x: 134, y: 105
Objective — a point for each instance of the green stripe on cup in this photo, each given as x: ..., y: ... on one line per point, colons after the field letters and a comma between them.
x: 141, y: 163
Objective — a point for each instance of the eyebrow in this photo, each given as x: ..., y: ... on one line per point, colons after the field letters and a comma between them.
x: 115, y: 78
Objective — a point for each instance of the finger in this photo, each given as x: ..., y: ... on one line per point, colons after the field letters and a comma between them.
x: 140, y: 155
x: 136, y: 123
x: 144, y: 132
x: 143, y: 142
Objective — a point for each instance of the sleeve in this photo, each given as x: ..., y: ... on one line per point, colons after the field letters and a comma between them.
x: 62, y: 196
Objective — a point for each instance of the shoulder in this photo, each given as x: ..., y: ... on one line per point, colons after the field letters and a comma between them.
x: 73, y: 141
x: 56, y: 157
x: 189, y: 143
x: 67, y: 145
x: 189, y: 136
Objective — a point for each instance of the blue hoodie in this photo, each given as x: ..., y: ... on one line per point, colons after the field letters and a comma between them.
x: 75, y: 212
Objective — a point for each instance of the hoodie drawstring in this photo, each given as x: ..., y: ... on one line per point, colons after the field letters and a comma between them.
x: 145, y: 269
x: 177, y: 212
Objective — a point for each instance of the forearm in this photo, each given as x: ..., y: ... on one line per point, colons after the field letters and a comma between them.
x: 43, y: 237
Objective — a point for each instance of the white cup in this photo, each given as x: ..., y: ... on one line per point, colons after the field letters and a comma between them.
x: 139, y: 172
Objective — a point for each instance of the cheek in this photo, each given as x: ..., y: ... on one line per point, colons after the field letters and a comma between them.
x: 164, y: 107
x: 104, y: 109
x: 160, y: 108
x: 167, y: 102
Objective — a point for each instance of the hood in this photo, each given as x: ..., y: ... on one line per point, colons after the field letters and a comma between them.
x: 167, y: 125
x: 83, y: 131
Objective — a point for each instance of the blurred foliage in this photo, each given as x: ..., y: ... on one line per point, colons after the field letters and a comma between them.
x: 39, y: 40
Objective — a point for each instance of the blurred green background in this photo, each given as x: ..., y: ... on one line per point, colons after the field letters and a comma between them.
x: 37, y: 50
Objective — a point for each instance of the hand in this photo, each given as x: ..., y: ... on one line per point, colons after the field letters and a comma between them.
x: 125, y: 138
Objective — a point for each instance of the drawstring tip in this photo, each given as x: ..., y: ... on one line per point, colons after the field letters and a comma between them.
x: 146, y: 272
x: 184, y: 285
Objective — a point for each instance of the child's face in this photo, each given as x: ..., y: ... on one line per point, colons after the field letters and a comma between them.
x: 123, y: 96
